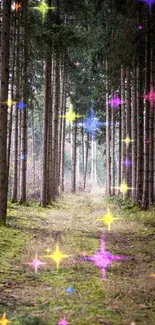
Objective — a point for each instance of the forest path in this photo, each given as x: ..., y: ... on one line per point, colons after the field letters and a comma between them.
x: 126, y: 295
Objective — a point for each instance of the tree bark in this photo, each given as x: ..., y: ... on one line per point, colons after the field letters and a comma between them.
x: 3, y: 109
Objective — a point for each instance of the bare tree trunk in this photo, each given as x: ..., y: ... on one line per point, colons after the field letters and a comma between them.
x: 49, y: 129
x: 86, y: 161
x: 151, y: 128
x: 112, y: 150
x: 3, y: 109
x: 133, y: 130
x: 15, y: 173
x: 120, y: 148
x: 63, y: 137
x: 43, y: 199
x: 140, y: 137
x: 145, y: 198
x: 12, y: 92
x: 24, y: 112
x: 56, y: 121
x: 74, y: 155
x: 123, y: 125
x: 128, y: 129
x: 108, y: 178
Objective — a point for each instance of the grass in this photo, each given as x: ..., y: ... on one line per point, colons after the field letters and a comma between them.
x: 126, y: 296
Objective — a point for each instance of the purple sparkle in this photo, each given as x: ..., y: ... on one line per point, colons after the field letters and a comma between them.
x: 149, y: 3
x: 103, y: 258
x: 127, y: 162
x: 140, y: 27
x: 115, y: 101
x: 21, y: 105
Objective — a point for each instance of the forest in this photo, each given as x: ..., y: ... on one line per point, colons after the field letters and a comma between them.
x: 77, y: 162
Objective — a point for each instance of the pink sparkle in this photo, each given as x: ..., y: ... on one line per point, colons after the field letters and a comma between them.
x: 63, y: 322
x: 103, y: 258
x: 77, y: 64
x: 150, y: 96
x: 35, y: 263
x: 140, y: 27
x: 148, y: 141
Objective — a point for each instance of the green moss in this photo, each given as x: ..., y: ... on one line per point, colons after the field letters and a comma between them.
x: 125, y: 296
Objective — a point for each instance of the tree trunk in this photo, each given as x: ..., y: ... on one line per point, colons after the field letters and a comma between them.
x: 133, y: 130
x: 140, y: 137
x: 108, y: 178
x: 24, y: 111
x: 145, y: 198
x: 123, y: 125
x: 3, y: 109
x: 43, y: 199
x: 128, y: 130
x: 112, y: 150
x: 86, y: 161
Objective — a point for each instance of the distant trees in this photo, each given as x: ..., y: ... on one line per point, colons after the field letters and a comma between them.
x: 82, y: 52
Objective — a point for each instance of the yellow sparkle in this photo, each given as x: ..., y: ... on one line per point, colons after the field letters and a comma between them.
x: 48, y: 250
x: 124, y: 188
x: 108, y: 219
x: 9, y: 102
x: 4, y: 320
x: 127, y: 140
x: 152, y: 275
x: 71, y: 116
x: 57, y: 256
x: 43, y: 8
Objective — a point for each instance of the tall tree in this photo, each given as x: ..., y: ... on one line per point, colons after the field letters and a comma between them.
x: 3, y: 108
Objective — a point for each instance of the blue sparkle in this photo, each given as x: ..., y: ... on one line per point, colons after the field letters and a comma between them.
x: 70, y: 290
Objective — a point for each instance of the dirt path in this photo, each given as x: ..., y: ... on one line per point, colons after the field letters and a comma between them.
x: 125, y: 296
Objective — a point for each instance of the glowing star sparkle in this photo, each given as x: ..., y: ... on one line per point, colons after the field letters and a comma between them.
x: 16, y: 6
x: 140, y: 27
x: 70, y: 290
x: 22, y: 156
x: 103, y: 258
x: 108, y: 219
x: 57, y: 256
x: 149, y: 3
x: 43, y: 8
x: 127, y: 162
x: 115, y: 101
x: 124, y: 188
x: 127, y: 140
x: 63, y: 322
x: 21, y: 105
x: 150, y: 96
x: 91, y: 123
x: 71, y: 116
x: 77, y: 64
x: 9, y: 102
x: 36, y: 263
x: 4, y: 320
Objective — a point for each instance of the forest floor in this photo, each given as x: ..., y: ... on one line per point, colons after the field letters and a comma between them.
x: 125, y: 297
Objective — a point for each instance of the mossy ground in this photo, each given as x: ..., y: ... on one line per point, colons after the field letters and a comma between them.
x: 125, y: 297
